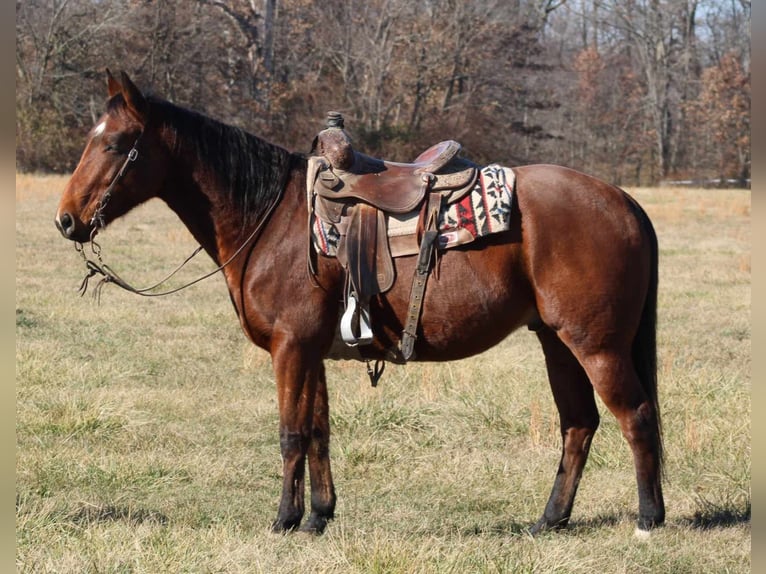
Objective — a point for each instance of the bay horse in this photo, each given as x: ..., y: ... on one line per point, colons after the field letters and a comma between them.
x: 578, y: 266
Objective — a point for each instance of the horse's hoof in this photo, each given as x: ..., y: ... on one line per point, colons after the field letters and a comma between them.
x: 539, y: 527
x: 649, y: 523
x: 646, y: 525
x: 283, y: 527
x: 314, y: 525
x: 544, y: 525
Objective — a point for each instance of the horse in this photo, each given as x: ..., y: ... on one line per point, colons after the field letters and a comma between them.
x: 578, y: 266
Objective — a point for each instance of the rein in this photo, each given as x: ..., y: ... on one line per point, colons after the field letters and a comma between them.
x: 110, y: 276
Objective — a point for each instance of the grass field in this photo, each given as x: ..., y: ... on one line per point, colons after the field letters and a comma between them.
x: 146, y: 429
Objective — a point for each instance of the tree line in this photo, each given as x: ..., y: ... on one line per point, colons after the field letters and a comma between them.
x: 634, y: 91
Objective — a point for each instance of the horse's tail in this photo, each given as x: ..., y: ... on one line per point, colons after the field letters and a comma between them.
x: 645, y: 343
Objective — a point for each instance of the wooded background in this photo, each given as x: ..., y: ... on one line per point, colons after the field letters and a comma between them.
x: 633, y: 91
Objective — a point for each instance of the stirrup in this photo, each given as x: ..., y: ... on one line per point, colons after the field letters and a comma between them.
x: 359, y: 313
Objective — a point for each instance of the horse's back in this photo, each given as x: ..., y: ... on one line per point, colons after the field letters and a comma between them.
x: 574, y: 201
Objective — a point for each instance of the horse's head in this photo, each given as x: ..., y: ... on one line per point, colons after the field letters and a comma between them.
x: 119, y: 168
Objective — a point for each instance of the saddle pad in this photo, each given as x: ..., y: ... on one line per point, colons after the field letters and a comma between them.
x: 486, y: 210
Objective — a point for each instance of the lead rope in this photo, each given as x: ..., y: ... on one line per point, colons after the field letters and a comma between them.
x: 110, y: 276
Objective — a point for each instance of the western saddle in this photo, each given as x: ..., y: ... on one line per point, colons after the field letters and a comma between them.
x: 358, y: 194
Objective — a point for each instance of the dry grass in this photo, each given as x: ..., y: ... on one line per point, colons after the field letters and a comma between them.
x: 147, y: 429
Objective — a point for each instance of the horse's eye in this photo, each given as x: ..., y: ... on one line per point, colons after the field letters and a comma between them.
x: 111, y: 149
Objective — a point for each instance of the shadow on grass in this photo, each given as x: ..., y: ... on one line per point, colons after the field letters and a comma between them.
x: 575, y: 527
x: 499, y: 528
x: 91, y: 514
x: 710, y: 517
x: 719, y: 516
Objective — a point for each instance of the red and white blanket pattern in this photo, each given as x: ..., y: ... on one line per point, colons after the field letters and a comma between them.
x: 486, y: 210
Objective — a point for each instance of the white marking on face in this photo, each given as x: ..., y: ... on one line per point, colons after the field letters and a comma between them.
x: 99, y: 129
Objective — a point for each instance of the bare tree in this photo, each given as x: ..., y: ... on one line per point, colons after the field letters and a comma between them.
x: 52, y: 60
x: 246, y: 17
x: 722, y: 113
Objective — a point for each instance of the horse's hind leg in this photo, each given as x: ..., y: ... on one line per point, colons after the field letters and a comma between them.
x: 322, y: 488
x: 578, y: 414
x: 614, y: 377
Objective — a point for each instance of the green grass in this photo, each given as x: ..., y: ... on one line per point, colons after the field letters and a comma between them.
x: 146, y: 429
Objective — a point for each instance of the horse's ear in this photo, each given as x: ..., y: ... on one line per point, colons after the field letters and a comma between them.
x: 113, y: 86
x: 135, y: 100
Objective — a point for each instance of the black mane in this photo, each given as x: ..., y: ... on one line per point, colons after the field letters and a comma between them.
x: 252, y: 171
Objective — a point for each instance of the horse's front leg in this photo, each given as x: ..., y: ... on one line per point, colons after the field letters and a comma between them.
x: 297, y: 375
x: 322, y: 487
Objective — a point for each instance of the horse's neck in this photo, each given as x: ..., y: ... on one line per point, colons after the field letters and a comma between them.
x: 190, y: 199
x: 211, y: 216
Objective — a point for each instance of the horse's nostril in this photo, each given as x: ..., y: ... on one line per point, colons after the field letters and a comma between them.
x: 66, y: 224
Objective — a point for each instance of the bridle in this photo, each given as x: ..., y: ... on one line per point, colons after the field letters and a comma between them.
x: 110, y: 276
x: 97, y: 221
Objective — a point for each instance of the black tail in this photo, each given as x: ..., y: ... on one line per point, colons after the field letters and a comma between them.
x: 645, y: 343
